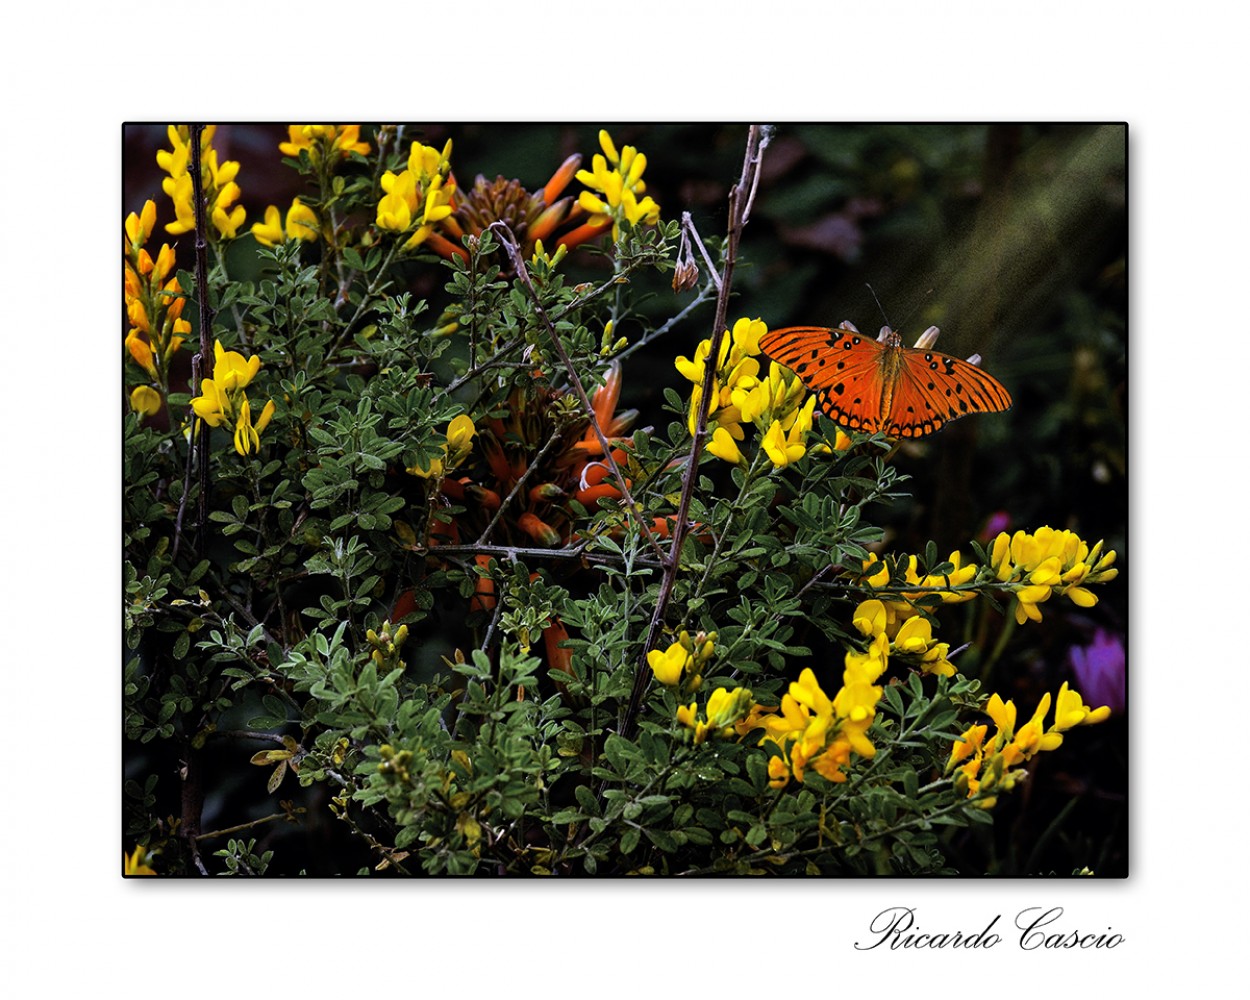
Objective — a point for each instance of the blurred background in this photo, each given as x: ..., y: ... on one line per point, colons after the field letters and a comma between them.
x: 1013, y: 239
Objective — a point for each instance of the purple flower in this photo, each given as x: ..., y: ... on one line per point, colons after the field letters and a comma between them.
x: 995, y: 524
x: 1100, y: 671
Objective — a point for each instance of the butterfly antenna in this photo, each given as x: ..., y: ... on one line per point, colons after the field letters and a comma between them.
x: 916, y: 307
x: 879, y: 306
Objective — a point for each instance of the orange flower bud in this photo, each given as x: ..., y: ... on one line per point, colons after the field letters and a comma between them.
x: 538, y: 529
x: 589, y: 497
x: 483, y: 598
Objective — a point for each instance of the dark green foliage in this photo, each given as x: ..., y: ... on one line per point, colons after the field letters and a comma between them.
x: 451, y: 692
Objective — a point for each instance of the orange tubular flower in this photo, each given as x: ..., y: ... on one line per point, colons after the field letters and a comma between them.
x: 544, y: 215
x: 483, y: 598
x: 538, y: 529
x: 558, y: 658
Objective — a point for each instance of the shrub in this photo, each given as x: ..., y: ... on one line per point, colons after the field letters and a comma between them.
x: 417, y: 564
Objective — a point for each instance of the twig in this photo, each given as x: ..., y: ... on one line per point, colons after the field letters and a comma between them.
x: 245, y: 734
x: 739, y: 204
x: 510, y: 245
x: 192, y: 780
x: 494, y: 623
x: 186, y: 478
x: 206, y: 329
x: 658, y: 332
x: 765, y: 137
x: 192, y: 804
x: 687, y: 224
x: 493, y: 361
x: 512, y: 552
x: 551, y: 441
x: 246, y: 826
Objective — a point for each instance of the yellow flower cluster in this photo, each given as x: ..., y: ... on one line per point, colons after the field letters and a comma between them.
x: 419, y: 197
x: 153, y: 308
x: 740, y: 396
x: 301, y: 224
x: 223, y: 403
x: 1049, y: 562
x: 455, y: 449
x: 684, y: 660
x: 906, y: 631
x: 619, y: 186
x: 724, y: 715
x: 815, y: 731
x: 994, y: 766
x: 898, y: 618
x: 387, y: 644
x: 328, y: 143
x: 877, y: 575
x: 220, y: 190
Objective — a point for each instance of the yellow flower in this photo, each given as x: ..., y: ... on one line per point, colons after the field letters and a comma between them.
x: 995, y: 766
x: 141, y: 352
x: 153, y: 304
x: 1071, y: 710
x: 914, y: 636
x: 247, y: 435
x: 220, y: 189
x: 723, y: 446
x: 870, y: 618
x: 145, y: 401
x: 814, y: 730
x: 618, y: 187
x: 212, y: 405
x: 455, y: 449
x: 140, y: 227
x: 301, y: 224
x: 785, y: 446
x: 741, y: 396
x: 223, y: 403
x: 420, y: 196
x: 137, y: 862
x: 334, y: 142
x: 968, y: 744
x: 669, y: 665
x: 269, y: 233
x: 231, y: 370
x: 432, y: 471
x: 1049, y: 562
x: 725, y: 708
x: 459, y: 439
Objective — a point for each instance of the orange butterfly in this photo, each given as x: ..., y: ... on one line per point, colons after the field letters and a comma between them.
x: 880, y: 385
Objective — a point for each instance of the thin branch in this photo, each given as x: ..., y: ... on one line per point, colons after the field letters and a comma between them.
x: 206, y: 328
x: 493, y: 361
x: 556, y: 435
x: 688, y: 226
x: 190, y: 464
x: 738, y: 206
x: 510, y: 245
x: 765, y: 137
x: 705, y: 293
x: 245, y: 734
x: 249, y: 824
x: 192, y: 778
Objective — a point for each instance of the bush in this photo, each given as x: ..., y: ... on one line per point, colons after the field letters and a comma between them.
x: 400, y: 546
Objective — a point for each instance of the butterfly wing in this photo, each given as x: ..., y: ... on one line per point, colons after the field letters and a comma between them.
x: 843, y: 368
x: 934, y: 389
x: 867, y: 386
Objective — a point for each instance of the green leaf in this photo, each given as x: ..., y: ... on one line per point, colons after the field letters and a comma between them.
x: 586, y: 798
